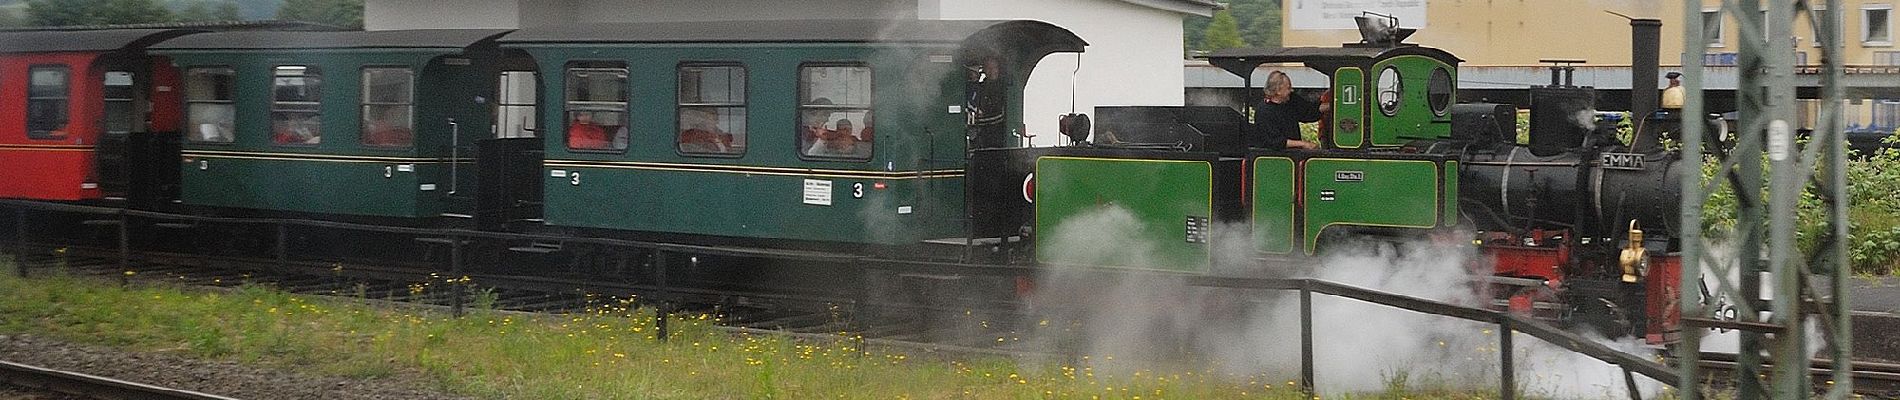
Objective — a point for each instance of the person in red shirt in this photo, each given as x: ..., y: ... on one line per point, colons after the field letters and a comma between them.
x: 584, y: 134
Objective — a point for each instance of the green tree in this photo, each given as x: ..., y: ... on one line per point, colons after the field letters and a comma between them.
x: 10, y: 17
x: 1264, y: 29
x: 344, y: 13
x: 1222, y: 33
x: 1194, y: 31
x: 206, y: 10
x: 94, y: 12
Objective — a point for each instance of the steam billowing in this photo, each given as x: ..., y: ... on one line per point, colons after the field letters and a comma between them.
x: 1359, y: 347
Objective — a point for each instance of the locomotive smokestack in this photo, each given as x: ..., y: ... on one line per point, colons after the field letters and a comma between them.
x: 1645, y: 43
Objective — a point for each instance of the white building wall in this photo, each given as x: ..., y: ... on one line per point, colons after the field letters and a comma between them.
x: 436, y: 14
x: 1133, y: 57
x: 743, y: 10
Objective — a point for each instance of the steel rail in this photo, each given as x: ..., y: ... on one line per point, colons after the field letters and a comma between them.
x: 92, y: 386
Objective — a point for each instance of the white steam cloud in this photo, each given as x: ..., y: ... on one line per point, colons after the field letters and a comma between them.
x: 1359, y: 347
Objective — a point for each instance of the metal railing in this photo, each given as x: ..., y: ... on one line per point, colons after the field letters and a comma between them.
x: 664, y: 254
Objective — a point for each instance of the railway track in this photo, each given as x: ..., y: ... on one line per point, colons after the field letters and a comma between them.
x: 1879, y: 380
x: 91, y: 386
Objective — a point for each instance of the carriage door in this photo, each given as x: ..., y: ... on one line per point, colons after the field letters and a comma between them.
x: 120, y: 120
x: 512, y: 185
x: 515, y: 105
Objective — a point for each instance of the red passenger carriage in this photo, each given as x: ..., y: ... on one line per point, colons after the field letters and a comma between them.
x: 78, y: 107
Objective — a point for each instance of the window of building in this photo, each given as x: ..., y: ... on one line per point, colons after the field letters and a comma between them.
x: 1827, y: 16
x: 597, y: 106
x: 46, y: 101
x: 1886, y: 58
x: 388, y: 107
x: 120, y: 101
x: 1886, y: 115
x: 712, y: 109
x: 209, y: 111
x: 1875, y: 27
x: 515, y: 105
x: 1712, y: 27
x: 296, y: 109
x: 834, y: 119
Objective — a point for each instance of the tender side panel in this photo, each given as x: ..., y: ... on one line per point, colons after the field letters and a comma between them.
x: 1369, y: 193
x: 1274, y: 209
x: 1132, y: 213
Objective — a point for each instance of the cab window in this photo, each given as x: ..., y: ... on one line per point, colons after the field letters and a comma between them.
x: 712, y: 109
x: 46, y: 101
x: 834, y: 112
x: 597, y: 106
x: 209, y: 111
x: 388, y: 107
x: 296, y: 105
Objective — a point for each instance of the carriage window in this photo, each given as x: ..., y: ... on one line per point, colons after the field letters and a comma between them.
x: 514, y: 106
x: 835, y: 112
x: 296, y: 105
x: 46, y: 102
x: 208, y: 110
x: 597, y: 106
x: 712, y: 109
x: 388, y: 107
x: 1389, y: 89
x: 120, y: 100
x: 1438, y: 91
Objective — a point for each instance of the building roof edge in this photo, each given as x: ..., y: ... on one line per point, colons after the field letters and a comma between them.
x: 1203, y: 8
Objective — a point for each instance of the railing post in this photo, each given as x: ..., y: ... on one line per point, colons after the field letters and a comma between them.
x: 283, y: 247
x: 660, y: 262
x: 125, y: 243
x: 1306, y: 339
x: 458, y: 288
x: 1507, y: 373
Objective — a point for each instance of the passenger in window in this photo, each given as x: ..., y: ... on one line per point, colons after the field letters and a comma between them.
x: 386, y: 131
x: 582, y: 133
x: 214, y: 125
x: 701, y: 133
x: 287, y: 129
x: 837, y: 142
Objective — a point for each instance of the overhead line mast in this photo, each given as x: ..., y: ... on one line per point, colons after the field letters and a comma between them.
x: 1765, y: 105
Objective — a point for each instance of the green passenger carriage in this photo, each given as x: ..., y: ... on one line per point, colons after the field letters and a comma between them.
x: 367, y: 124
x: 848, y: 132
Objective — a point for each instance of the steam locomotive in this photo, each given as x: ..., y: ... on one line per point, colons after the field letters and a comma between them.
x: 741, y: 134
x: 1576, y: 224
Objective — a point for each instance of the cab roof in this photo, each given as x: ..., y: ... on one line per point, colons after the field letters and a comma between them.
x: 1242, y: 61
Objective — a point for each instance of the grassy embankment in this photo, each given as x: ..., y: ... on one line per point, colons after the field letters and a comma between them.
x: 608, y: 353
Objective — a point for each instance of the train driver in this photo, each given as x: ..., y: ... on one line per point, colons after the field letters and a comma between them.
x: 1278, y: 114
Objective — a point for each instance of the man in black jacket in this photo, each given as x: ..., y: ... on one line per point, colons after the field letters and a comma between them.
x: 1277, y: 117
